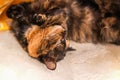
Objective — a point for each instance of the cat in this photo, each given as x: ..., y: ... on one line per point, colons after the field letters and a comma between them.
x: 44, y: 27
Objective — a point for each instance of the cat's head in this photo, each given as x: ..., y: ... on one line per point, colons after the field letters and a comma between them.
x: 48, y: 44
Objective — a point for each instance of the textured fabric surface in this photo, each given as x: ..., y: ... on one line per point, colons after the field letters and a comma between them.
x: 88, y: 62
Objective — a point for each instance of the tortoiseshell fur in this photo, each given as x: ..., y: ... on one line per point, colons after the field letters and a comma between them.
x: 96, y: 21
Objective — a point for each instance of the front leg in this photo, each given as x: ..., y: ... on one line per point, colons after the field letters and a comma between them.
x: 19, y: 12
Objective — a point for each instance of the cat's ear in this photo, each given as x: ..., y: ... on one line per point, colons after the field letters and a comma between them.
x: 49, y: 62
x: 15, y: 11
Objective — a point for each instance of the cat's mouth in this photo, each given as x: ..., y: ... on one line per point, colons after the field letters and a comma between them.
x: 48, y: 44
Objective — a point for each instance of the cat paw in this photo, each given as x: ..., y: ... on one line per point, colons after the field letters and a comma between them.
x: 15, y: 11
x: 38, y: 19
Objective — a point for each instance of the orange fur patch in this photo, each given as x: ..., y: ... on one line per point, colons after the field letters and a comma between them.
x: 41, y: 41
